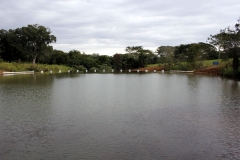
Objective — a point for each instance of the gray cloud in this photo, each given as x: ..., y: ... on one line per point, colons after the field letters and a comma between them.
x: 107, y: 27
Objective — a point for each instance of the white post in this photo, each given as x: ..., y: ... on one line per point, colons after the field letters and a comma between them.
x: 138, y: 71
x: 60, y: 71
x: 162, y: 71
x: 68, y: 71
x: 146, y: 70
x: 129, y: 70
x: 120, y: 70
x: 94, y: 70
x: 86, y: 70
x: 51, y: 71
x: 41, y: 71
x: 104, y: 70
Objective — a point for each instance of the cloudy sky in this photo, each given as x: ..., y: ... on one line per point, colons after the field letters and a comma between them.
x: 109, y: 26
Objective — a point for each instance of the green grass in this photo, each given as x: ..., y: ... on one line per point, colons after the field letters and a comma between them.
x: 153, y: 65
x: 206, y: 63
x: 222, y: 63
x: 32, y: 67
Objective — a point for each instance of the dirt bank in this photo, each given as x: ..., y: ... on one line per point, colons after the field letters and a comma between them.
x: 209, y: 70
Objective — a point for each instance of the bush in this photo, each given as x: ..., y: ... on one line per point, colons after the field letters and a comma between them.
x: 33, y: 67
x: 229, y: 72
x: 80, y: 68
x: 93, y: 69
x: 105, y: 67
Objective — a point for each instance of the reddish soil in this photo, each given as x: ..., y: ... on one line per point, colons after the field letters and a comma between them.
x: 150, y: 69
x: 0, y: 71
x: 210, y: 70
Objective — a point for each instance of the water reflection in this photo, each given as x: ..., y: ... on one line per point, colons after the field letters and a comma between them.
x: 119, y: 116
x: 230, y: 118
x: 24, y: 110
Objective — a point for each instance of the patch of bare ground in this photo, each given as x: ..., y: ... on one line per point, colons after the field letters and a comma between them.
x: 209, y: 70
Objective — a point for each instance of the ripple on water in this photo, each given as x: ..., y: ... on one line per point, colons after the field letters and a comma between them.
x: 174, y: 116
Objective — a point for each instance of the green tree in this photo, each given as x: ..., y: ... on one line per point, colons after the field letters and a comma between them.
x: 58, y: 57
x: 137, y: 57
x: 117, y: 61
x: 219, y: 41
x: 74, y: 58
x: 46, y: 55
x: 193, y: 54
x: 104, y: 59
x: 134, y: 51
x: 88, y: 61
x: 228, y: 40
x: 166, y: 54
x: 11, y: 45
x: 180, y: 52
x: 36, y: 38
x: 232, y: 37
x: 208, y: 51
x: 142, y: 60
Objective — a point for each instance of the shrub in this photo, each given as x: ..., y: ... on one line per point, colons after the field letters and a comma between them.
x: 33, y: 67
x: 105, y: 67
x: 80, y: 68
x: 93, y: 69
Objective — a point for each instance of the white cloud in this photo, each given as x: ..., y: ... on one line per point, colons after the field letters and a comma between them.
x: 107, y: 27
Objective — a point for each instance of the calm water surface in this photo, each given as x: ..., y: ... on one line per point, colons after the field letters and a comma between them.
x: 119, y: 116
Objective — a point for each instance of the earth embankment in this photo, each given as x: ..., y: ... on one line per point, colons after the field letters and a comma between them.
x: 209, y: 70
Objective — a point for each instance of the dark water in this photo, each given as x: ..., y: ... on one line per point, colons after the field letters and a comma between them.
x: 119, y: 116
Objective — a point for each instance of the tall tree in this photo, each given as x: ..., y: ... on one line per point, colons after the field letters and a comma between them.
x: 134, y: 51
x: 218, y: 41
x: 36, y: 38
x: 232, y: 36
x: 74, y: 58
x: 137, y: 57
x: 58, y: 57
x: 229, y: 40
x: 117, y: 61
x: 11, y: 45
x: 180, y: 52
x: 166, y: 53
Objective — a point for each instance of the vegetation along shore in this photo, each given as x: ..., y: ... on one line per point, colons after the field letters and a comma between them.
x: 28, y: 48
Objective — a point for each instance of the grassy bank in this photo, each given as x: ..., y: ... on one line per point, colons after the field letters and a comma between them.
x: 15, y: 67
x: 181, y: 65
x: 224, y: 68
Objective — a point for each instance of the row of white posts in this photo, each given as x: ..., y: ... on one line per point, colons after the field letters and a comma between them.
x: 104, y: 71
x: 59, y: 71
x: 128, y: 71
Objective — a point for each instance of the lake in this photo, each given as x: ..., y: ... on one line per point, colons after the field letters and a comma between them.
x: 119, y: 116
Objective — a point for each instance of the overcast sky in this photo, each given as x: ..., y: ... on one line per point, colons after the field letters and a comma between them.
x: 109, y: 26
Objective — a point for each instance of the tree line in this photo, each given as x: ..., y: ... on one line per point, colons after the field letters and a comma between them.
x: 25, y: 43
x: 227, y: 43
x: 32, y: 44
